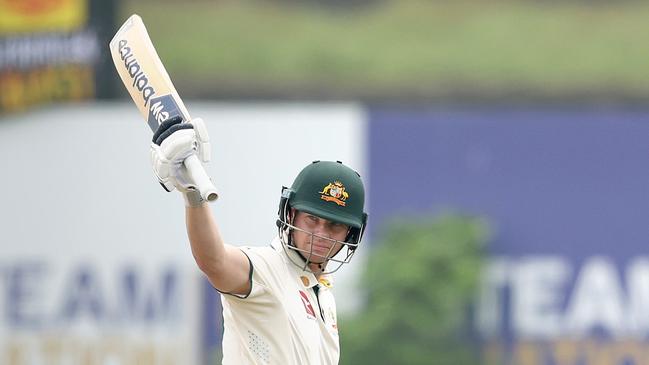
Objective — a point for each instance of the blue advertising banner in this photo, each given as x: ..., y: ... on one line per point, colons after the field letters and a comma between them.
x: 567, y: 193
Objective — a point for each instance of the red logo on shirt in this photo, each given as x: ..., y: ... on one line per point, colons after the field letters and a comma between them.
x: 307, y: 305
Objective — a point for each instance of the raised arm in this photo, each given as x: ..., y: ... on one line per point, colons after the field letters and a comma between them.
x: 226, y: 267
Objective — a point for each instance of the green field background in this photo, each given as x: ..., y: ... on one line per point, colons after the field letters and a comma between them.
x: 402, y: 50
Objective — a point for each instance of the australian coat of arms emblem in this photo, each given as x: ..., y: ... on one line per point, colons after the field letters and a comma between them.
x: 335, y: 192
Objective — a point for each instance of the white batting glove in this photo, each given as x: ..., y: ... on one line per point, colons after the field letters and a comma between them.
x: 172, y: 143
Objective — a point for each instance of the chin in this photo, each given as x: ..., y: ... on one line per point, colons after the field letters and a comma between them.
x: 314, y: 259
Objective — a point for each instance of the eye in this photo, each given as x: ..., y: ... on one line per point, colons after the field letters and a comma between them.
x: 338, y: 227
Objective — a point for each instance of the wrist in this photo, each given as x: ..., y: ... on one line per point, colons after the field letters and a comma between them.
x: 193, y: 198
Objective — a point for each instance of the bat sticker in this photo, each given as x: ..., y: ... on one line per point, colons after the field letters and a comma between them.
x: 140, y: 80
x: 162, y: 108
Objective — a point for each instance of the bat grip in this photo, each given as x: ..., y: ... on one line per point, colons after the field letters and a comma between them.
x: 199, y: 177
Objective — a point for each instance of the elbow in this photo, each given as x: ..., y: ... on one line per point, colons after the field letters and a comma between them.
x: 209, y: 266
x: 215, y: 272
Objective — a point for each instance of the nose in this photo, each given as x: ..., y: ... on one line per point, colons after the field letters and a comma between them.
x: 322, y: 229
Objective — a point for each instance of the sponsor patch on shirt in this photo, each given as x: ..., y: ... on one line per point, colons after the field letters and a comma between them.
x: 307, y: 305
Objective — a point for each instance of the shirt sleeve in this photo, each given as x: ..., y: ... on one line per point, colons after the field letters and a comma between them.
x: 265, y: 264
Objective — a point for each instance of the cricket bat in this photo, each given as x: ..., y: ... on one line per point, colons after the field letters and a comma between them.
x: 146, y: 79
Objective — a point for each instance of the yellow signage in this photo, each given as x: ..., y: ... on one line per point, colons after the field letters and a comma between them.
x: 42, y: 15
x: 21, y: 90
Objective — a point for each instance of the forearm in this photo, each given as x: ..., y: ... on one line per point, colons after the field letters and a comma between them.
x: 204, y: 237
x: 226, y: 267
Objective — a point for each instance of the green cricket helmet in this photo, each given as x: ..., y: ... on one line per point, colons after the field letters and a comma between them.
x: 329, y: 190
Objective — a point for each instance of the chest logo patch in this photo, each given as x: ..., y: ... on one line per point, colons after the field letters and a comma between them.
x: 307, y: 305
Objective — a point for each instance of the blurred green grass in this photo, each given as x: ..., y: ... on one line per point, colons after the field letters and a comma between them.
x: 406, y: 47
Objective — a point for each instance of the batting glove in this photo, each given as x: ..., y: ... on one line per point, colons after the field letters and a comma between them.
x: 172, y: 143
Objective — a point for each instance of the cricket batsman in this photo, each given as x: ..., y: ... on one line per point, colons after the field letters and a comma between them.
x: 278, y: 307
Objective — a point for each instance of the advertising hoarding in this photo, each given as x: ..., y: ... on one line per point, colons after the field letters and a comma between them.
x: 567, y: 279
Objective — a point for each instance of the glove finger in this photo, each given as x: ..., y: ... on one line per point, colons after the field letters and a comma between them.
x: 171, y: 130
x: 178, y: 146
x: 165, y: 125
x: 182, y: 179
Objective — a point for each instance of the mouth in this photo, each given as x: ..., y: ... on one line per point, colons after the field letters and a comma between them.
x: 320, y: 249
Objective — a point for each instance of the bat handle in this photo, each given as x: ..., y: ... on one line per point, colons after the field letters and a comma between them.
x: 203, y: 182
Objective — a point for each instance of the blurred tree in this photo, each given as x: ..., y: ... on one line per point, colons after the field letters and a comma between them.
x: 421, y: 280
x: 405, y: 52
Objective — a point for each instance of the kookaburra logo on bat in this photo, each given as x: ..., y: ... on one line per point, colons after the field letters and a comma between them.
x: 335, y: 192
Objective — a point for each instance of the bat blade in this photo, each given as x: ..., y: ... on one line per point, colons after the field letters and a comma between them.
x: 150, y: 87
x: 144, y: 75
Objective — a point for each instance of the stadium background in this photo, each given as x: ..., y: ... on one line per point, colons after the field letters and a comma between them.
x: 503, y: 144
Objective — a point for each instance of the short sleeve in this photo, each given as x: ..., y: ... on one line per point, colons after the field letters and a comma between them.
x: 265, y: 265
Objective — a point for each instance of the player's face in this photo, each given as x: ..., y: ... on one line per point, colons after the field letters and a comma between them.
x: 317, y: 241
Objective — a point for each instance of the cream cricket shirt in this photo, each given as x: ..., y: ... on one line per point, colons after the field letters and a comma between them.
x: 282, y: 321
